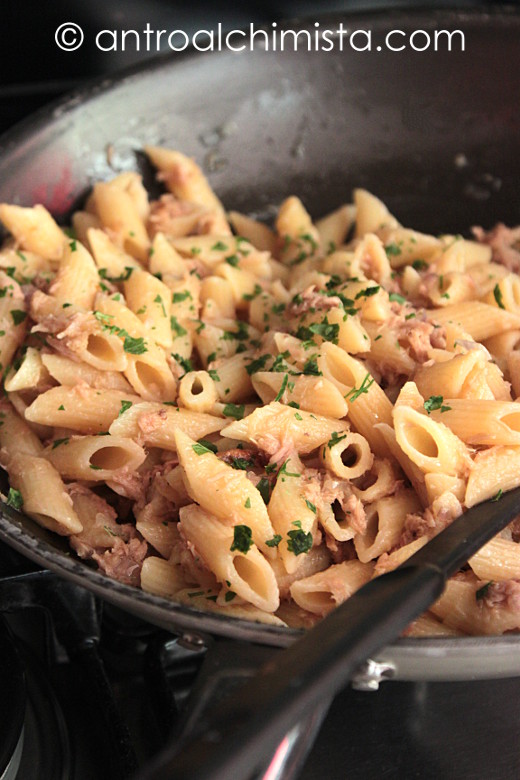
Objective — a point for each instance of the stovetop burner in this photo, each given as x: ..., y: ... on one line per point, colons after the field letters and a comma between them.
x: 12, y: 713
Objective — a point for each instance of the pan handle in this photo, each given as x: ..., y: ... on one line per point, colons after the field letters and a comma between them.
x: 237, y: 738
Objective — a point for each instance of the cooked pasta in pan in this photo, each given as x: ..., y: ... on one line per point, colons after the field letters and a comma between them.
x: 258, y: 420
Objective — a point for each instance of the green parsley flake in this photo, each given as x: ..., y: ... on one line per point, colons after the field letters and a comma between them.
x: 134, y: 346
x: 283, y: 471
x: 73, y: 246
x: 497, y: 496
x: 18, y: 316
x: 57, y: 442
x: 310, y: 367
x: 368, y: 292
x: 435, y: 402
x: 242, y: 539
x: 257, y: 365
x: 233, y: 260
x: 363, y: 388
x: 14, y: 499
x: 230, y: 595
x: 311, y: 506
x: 234, y: 410
x: 482, y: 592
x: 124, y: 406
x: 241, y: 464
x: 419, y: 265
x: 275, y: 541
x: 392, y: 250
x: 264, y: 488
x: 200, y: 449
x: 281, y: 391
x: 219, y: 247
x: 176, y: 327
x: 247, y: 505
x: 214, y: 374
x: 208, y: 445
x: 299, y: 542
x: 396, y: 297
x: 160, y: 301
x: 178, y: 297
x: 497, y: 292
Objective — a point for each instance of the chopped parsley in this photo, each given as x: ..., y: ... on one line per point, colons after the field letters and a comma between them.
x: 233, y: 260
x: 160, y: 301
x: 177, y: 297
x: 234, y: 410
x: 134, y: 346
x: 14, y: 499
x: 311, y: 506
x: 482, y: 592
x: 435, y: 402
x: 18, y: 316
x: 124, y: 406
x: 214, y: 374
x: 257, y: 365
x: 185, y: 363
x: 275, y: 541
x: 283, y: 471
x: 208, y: 445
x: 230, y: 595
x: 247, y: 505
x: 57, y: 442
x: 281, y: 391
x: 200, y: 449
x: 497, y: 292
x: 327, y: 330
x: 310, y: 367
x: 179, y: 330
x: 219, y: 247
x: 73, y: 245
x: 363, y: 388
x: 242, y: 539
x: 335, y: 439
x: 396, y: 297
x: 299, y: 542
x: 368, y: 292
x: 392, y: 250
x: 419, y: 265
x: 61, y: 408
x: 124, y: 277
x: 241, y: 464
x: 264, y: 488
x: 498, y: 496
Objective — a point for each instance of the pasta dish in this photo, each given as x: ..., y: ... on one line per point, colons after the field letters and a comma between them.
x: 259, y: 420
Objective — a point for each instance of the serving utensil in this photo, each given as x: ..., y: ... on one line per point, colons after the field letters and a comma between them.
x: 239, y: 735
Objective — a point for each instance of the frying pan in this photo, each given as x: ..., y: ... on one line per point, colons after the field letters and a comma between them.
x: 432, y: 133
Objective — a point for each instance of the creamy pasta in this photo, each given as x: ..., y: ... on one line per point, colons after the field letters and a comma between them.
x: 258, y: 420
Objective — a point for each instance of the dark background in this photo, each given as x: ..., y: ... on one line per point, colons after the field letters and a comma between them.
x: 34, y: 71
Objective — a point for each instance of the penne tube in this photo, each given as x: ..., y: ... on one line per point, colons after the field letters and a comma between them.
x: 34, y: 229
x: 313, y: 394
x: 480, y: 320
x: 270, y: 426
x: 43, y: 494
x: 247, y: 572
x: 95, y: 458
x: 155, y: 424
x: 322, y: 592
x: 482, y: 422
x: 385, y: 524
x: 497, y: 561
x: 70, y: 373
x: 348, y: 457
x: 80, y: 408
x: 494, y: 471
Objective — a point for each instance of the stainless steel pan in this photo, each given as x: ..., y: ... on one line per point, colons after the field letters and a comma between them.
x: 434, y: 134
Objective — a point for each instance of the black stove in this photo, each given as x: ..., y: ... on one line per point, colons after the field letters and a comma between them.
x: 89, y: 692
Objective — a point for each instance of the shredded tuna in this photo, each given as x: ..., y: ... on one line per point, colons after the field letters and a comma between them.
x: 320, y: 487
x: 165, y: 214
x: 426, y: 524
x: 124, y: 561
x: 501, y: 594
x: 127, y: 483
x: 312, y: 300
x: 504, y: 243
x: 417, y: 334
